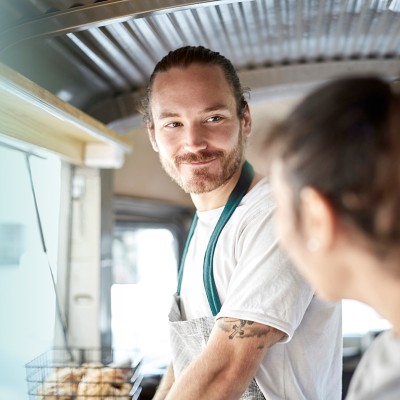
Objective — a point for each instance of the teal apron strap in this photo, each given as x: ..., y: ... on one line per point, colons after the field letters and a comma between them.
x: 236, y: 196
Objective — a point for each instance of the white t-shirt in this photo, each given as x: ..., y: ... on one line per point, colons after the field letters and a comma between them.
x: 377, y: 376
x: 256, y: 282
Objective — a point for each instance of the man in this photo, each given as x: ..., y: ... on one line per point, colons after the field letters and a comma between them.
x: 244, y: 323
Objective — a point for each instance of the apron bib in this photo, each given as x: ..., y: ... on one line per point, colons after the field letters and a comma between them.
x: 189, y: 338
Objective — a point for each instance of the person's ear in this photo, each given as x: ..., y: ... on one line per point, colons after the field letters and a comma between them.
x: 318, y: 220
x: 247, y: 120
x: 152, y: 137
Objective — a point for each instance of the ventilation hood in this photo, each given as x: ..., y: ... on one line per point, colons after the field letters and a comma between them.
x: 98, y: 55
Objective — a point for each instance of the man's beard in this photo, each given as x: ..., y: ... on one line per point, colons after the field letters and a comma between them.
x: 202, y: 180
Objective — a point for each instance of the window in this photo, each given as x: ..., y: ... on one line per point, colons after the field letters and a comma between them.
x: 360, y: 319
x: 145, y: 276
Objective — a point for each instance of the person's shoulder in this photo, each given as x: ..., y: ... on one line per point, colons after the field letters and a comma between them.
x: 260, y: 195
x: 386, y: 344
x: 257, y: 206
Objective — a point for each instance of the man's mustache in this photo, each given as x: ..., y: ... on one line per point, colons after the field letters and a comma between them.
x: 201, y: 156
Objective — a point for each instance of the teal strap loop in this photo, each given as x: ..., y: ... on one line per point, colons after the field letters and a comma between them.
x: 234, y: 200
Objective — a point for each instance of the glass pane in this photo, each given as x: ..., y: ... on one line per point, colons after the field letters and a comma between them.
x: 145, y: 269
x: 27, y: 300
x: 360, y: 319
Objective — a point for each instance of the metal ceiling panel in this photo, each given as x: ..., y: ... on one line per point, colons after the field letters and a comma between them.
x: 108, y: 48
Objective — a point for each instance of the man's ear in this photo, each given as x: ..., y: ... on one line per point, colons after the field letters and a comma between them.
x: 318, y: 219
x: 152, y: 137
x: 247, y: 120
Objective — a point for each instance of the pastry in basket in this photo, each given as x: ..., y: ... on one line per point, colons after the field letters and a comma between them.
x: 61, y: 384
x: 113, y: 375
x: 121, y: 393
x: 91, y: 386
x: 65, y: 374
x: 100, y: 383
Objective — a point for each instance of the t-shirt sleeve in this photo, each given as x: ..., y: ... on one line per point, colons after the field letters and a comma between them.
x: 265, y: 287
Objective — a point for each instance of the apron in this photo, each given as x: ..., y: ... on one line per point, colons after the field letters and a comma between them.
x: 189, y: 338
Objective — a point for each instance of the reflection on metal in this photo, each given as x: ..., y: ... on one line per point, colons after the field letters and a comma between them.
x: 100, y: 51
x: 107, y: 70
x: 118, y: 107
x: 95, y: 15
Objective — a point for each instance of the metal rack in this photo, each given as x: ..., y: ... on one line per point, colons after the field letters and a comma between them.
x: 83, y: 374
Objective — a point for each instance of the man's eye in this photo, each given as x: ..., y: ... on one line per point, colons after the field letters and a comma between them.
x: 214, y: 118
x: 173, y: 124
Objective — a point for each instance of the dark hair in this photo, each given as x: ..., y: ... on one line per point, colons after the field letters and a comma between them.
x: 183, y: 58
x: 343, y: 139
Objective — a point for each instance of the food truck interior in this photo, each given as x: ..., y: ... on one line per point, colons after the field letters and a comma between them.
x: 91, y: 228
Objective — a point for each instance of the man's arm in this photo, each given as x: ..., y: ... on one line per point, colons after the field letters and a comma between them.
x: 165, y: 385
x: 228, y: 363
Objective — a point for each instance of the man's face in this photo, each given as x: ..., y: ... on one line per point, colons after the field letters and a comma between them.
x: 197, y: 133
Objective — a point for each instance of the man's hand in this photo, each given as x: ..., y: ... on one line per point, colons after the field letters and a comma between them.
x: 165, y: 384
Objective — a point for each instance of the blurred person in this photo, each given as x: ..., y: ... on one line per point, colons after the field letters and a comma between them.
x: 335, y: 172
x: 244, y: 323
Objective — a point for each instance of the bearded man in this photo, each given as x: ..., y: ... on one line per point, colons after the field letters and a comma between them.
x: 244, y: 323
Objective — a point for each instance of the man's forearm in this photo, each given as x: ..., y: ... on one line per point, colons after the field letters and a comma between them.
x: 228, y: 363
x: 199, y: 382
x: 165, y: 385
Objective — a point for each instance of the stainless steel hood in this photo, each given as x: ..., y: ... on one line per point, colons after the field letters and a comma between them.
x: 98, y: 55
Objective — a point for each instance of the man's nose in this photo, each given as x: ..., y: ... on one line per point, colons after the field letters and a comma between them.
x: 195, y: 138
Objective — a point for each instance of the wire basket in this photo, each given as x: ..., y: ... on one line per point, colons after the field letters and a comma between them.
x: 83, y: 374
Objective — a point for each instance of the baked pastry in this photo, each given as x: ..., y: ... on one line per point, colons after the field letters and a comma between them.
x: 61, y: 384
x: 92, y: 387
x: 90, y: 381
x: 100, y: 382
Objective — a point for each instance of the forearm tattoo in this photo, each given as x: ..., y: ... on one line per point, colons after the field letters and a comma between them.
x: 240, y: 328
